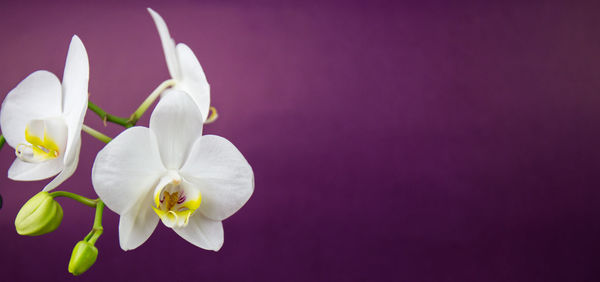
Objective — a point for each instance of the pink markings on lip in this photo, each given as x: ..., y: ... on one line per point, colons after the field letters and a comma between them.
x: 181, y: 198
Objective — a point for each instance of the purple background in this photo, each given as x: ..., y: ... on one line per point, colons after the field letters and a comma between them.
x: 414, y: 141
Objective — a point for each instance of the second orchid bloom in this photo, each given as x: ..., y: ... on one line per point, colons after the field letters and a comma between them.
x: 171, y: 172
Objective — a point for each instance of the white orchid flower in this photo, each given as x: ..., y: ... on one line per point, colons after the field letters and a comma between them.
x: 42, y: 120
x: 184, y: 67
x: 170, y: 171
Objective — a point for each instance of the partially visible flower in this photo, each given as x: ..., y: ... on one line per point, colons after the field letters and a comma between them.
x: 39, y: 215
x: 42, y: 120
x: 184, y: 67
x: 84, y: 255
x: 170, y: 171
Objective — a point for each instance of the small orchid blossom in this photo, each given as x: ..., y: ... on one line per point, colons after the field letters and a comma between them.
x: 184, y: 67
x: 170, y: 171
x: 42, y: 120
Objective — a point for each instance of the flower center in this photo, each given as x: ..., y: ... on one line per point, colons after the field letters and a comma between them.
x: 173, y: 203
x: 45, y: 140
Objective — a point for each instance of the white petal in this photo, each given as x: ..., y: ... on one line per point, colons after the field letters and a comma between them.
x: 127, y: 169
x: 38, y: 96
x: 22, y: 171
x: 69, y: 166
x: 202, y: 232
x: 177, y: 123
x: 221, y: 173
x: 75, y: 92
x: 168, y: 44
x: 137, y: 224
x: 193, y: 81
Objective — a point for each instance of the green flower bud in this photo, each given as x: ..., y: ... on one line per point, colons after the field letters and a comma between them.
x: 40, y: 215
x: 83, y: 257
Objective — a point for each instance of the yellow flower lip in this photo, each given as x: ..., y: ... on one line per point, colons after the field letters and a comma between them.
x: 39, y: 149
x: 173, y: 203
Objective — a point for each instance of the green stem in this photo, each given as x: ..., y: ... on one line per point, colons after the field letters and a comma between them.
x: 2, y: 141
x: 97, y: 134
x: 86, y: 201
x: 108, y: 117
x: 97, y: 229
x: 87, y: 237
x: 132, y: 120
x: 149, y: 100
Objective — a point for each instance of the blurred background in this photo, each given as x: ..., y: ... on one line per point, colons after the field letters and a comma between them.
x: 390, y: 140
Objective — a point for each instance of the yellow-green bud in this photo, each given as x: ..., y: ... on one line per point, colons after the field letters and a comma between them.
x: 40, y: 215
x: 83, y: 257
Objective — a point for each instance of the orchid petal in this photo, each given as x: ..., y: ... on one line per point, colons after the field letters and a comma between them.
x: 193, y: 79
x: 137, y: 224
x: 127, y: 169
x: 75, y: 93
x: 177, y: 123
x: 23, y: 171
x: 168, y: 44
x: 69, y: 164
x: 202, y: 232
x: 38, y: 96
x: 222, y: 175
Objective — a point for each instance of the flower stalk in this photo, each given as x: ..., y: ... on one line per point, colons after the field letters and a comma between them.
x: 2, y: 141
x: 97, y: 229
x: 106, y: 116
x: 149, y: 100
x: 96, y: 203
x: 86, y: 201
x: 96, y: 134
x: 139, y: 112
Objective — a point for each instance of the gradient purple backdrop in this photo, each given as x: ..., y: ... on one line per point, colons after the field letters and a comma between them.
x: 413, y: 141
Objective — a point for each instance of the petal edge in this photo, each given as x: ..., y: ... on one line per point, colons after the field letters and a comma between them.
x: 221, y: 173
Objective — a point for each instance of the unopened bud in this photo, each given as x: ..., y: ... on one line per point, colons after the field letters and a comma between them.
x: 83, y: 257
x: 40, y: 215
